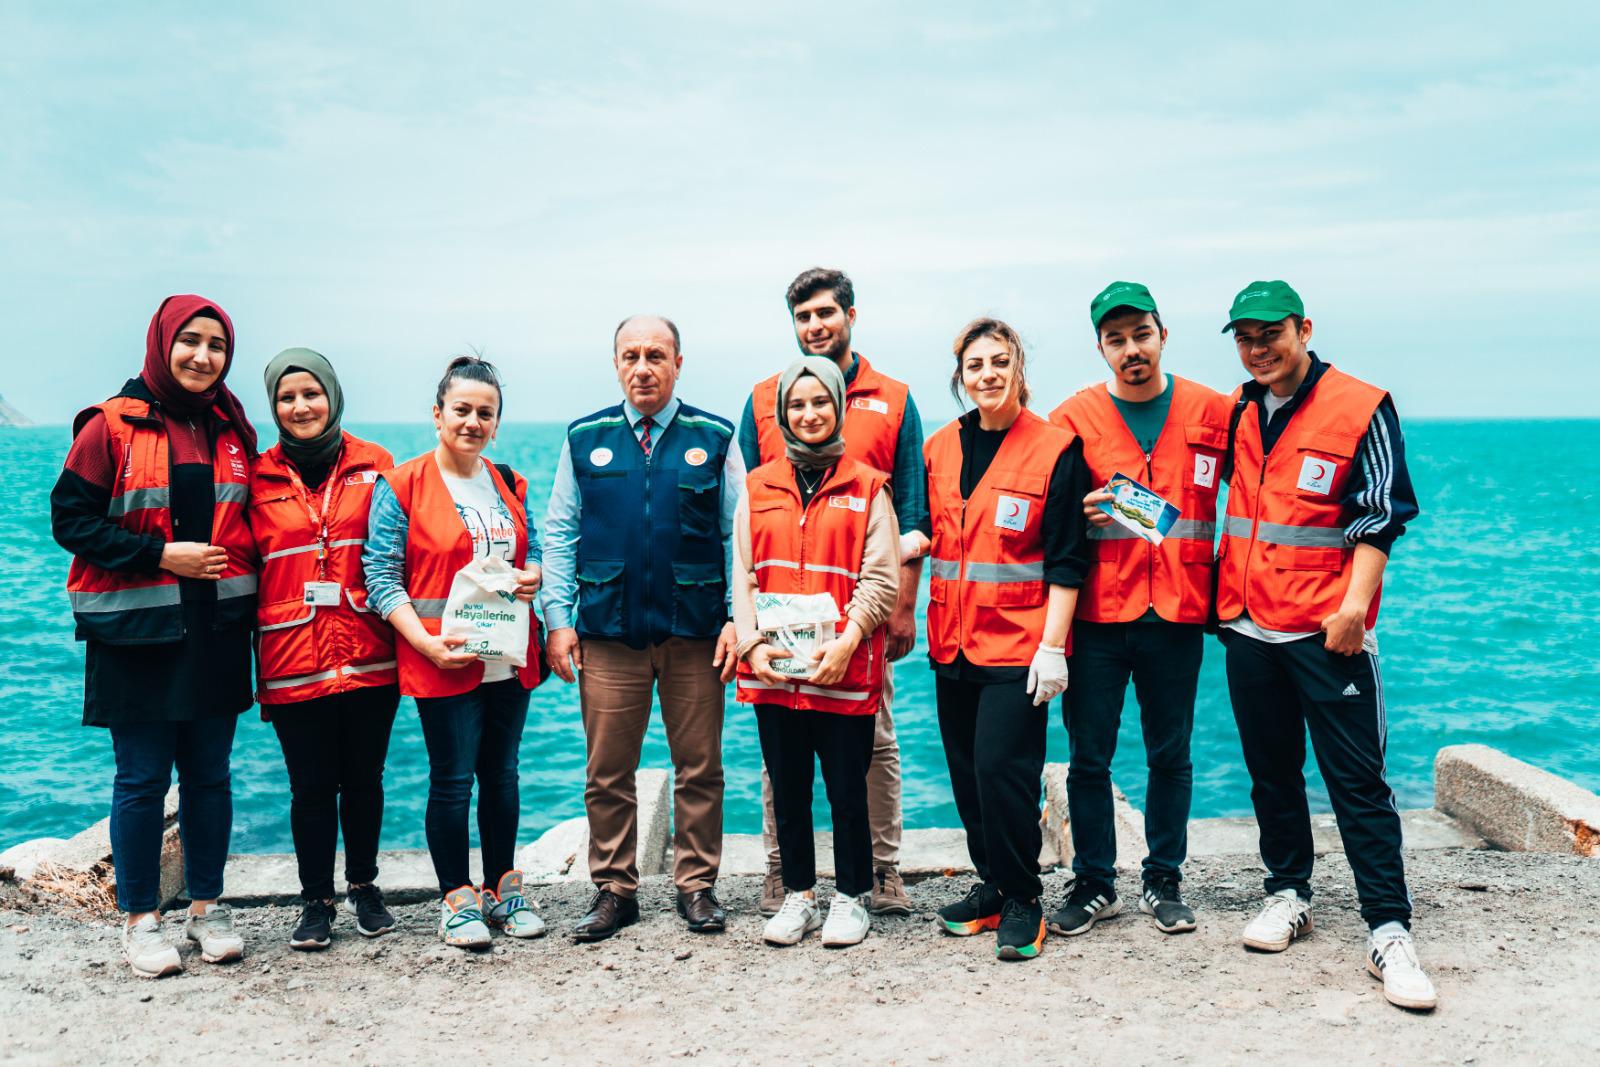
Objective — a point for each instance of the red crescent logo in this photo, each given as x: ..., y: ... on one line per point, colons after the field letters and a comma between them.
x: 1016, y: 509
x: 1321, y: 471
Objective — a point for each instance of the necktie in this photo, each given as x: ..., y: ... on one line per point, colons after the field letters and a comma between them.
x: 646, y: 424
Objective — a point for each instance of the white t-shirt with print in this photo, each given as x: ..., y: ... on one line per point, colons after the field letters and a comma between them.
x: 493, y: 532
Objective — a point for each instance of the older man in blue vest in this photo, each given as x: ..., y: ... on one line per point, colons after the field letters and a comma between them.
x: 635, y: 599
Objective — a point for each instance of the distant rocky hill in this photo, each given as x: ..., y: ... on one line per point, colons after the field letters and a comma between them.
x: 10, y: 416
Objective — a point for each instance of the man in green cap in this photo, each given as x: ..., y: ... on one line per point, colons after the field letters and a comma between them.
x: 1142, y: 610
x: 1318, y: 492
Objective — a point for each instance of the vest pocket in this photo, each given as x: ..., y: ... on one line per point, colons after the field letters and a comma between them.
x: 1008, y: 594
x: 287, y: 645
x: 600, y: 596
x: 698, y: 603
x: 699, y: 504
x: 1191, y: 550
x: 1307, y: 558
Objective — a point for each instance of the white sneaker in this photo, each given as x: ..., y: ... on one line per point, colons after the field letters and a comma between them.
x: 505, y: 906
x: 848, y: 922
x: 147, y: 951
x: 213, y: 931
x: 461, y: 922
x: 1394, y: 959
x: 795, y: 919
x: 1283, y: 918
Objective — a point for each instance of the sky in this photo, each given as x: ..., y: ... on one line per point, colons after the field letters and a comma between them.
x: 393, y: 184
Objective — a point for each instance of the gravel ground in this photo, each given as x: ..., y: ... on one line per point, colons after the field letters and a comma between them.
x: 1508, y: 938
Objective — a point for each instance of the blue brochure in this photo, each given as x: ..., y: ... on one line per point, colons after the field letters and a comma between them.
x: 1139, y: 509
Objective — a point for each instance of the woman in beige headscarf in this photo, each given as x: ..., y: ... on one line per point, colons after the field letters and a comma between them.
x: 816, y: 522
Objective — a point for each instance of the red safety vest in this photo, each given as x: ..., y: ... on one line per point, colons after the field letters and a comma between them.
x: 1130, y: 575
x: 986, y: 589
x: 816, y: 548
x: 875, y: 406
x: 136, y: 609
x: 437, y: 546
x: 305, y: 651
x: 1283, y: 557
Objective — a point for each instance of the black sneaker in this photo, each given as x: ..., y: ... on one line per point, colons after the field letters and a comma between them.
x: 1087, y: 903
x: 1161, y: 902
x: 1021, y: 929
x: 365, y: 902
x: 979, y: 910
x: 315, y: 931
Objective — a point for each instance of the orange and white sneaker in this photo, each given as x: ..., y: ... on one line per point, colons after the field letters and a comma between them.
x: 505, y: 907
x: 461, y: 922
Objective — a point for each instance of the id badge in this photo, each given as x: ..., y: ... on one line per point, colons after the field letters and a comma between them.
x: 323, y: 594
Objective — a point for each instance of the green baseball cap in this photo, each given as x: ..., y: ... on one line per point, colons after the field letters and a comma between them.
x: 1118, y: 295
x: 1265, y: 302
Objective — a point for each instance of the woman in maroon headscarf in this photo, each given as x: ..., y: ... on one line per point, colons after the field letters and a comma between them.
x: 152, y: 506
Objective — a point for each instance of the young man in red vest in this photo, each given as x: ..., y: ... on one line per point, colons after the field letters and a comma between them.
x: 882, y: 430
x: 1143, y: 608
x: 1317, y: 495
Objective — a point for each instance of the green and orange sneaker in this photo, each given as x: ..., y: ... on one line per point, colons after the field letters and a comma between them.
x: 505, y: 906
x: 974, y: 913
x: 1021, y: 929
x: 461, y: 919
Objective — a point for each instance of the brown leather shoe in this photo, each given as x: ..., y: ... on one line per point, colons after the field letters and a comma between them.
x: 702, y: 911
x: 607, y: 914
x: 772, y: 891
x: 889, y: 893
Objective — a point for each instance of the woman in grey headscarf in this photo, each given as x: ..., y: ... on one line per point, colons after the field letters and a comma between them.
x: 816, y: 523
x: 326, y: 666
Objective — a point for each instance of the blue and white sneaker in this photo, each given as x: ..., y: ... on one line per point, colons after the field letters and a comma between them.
x: 461, y: 919
x: 505, y: 907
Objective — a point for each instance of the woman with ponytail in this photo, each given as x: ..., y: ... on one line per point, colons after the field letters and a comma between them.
x: 430, y: 517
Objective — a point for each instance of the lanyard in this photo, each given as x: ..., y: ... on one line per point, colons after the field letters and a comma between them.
x: 319, y: 520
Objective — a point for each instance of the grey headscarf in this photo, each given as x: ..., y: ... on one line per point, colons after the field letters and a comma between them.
x: 322, y: 448
x: 825, y: 455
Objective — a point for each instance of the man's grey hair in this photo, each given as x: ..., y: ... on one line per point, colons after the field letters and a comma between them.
x: 677, y: 342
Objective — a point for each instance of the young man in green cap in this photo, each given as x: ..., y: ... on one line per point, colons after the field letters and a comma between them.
x: 1143, y: 608
x: 1318, y: 493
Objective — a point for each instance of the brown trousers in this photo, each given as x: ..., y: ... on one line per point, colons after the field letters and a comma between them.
x: 883, y: 790
x: 614, y: 689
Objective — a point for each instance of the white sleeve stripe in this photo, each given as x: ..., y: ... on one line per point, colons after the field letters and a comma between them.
x: 1377, y: 463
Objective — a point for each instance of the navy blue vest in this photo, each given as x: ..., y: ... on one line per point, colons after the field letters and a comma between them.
x: 650, y: 559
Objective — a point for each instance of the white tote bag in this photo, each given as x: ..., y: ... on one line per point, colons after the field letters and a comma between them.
x: 483, y: 608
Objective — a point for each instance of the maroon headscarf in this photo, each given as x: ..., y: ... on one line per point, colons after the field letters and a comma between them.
x: 169, y: 319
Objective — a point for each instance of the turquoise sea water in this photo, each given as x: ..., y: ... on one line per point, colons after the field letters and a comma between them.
x: 1489, y: 627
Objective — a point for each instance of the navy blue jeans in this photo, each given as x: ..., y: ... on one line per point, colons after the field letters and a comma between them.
x: 474, y: 735
x: 146, y: 752
x: 1163, y: 659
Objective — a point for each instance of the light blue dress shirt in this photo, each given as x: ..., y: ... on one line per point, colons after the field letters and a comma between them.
x: 561, y: 520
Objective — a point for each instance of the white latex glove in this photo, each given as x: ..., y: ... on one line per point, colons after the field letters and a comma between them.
x: 1047, y: 674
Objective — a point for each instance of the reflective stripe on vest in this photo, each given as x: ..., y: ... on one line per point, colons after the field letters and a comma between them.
x: 326, y: 676
x: 1193, y: 529
x: 138, y: 500
x: 808, y: 689
x: 353, y: 542
x: 815, y: 568
x: 1277, y: 533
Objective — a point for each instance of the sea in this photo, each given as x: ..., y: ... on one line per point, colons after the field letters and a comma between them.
x: 1491, y: 615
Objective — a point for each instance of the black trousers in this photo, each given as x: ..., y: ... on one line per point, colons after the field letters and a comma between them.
x: 994, y: 744
x: 1279, y: 692
x: 1163, y: 659
x: 793, y: 742
x: 335, y: 748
